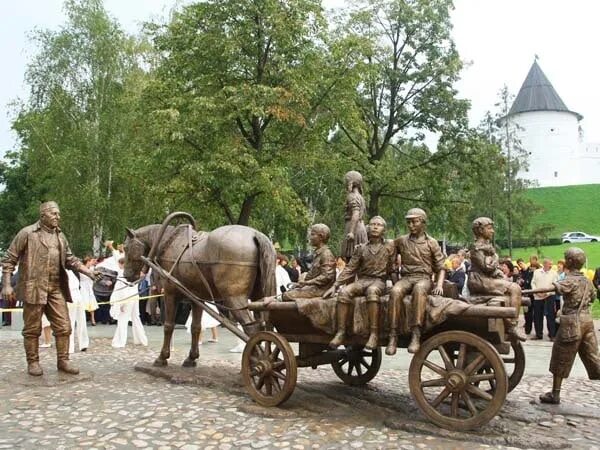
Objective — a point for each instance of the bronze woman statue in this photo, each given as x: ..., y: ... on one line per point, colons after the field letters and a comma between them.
x: 355, y: 232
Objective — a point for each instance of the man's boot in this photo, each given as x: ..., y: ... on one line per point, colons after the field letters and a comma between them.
x: 33, y: 359
x: 415, y: 341
x: 393, y: 316
x: 373, y: 310
x: 342, y: 319
x: 512, y: 330
x: 62, y: 356
x: 553, y: 397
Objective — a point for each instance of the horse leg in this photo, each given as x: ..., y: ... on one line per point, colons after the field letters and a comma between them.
x: 195, y: 329
x: 168, y: 327
x: 243, y: 316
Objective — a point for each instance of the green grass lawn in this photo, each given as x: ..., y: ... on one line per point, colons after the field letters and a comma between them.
x: 556, y: 252
x: 596, y: 310
x: 568, y: 208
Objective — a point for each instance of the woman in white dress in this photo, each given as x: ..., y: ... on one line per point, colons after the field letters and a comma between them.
x: 126, y: 307
x: 86, y: 286
x: 207, y: 322
x: 77, y: 315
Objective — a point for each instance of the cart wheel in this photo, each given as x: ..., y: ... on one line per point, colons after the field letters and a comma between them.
x: 269, y: 368
x: 514, y: 364
x: 446, y: 389
x: 357, y: 365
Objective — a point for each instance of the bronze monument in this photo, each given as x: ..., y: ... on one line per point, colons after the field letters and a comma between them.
x: 354, y: 226
x: 321, y: 275
x: 486, y: 278
x: 43, y: 255
x: 230, y: 264
x: 372, y: 264
x: 576, y: 332
x: 421, y: 258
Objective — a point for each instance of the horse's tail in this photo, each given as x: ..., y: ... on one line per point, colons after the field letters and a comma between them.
x: 266, y: 265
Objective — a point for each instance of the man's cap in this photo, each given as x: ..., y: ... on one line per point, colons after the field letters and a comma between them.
x: 48, y: 205
x: 415, y: 212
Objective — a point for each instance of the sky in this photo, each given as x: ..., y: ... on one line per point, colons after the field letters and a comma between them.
x: 497, y: 40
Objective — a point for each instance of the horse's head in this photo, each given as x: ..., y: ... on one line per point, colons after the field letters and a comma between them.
x: 134, y: 250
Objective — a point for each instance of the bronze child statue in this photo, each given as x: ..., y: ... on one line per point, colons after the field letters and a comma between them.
x: 421, y: 258
x: 321, y: 275
x: 42, y: 252
x: 576, y: 331
x: 486, y: 278
x: 372, y: 263
x: 354, y: 227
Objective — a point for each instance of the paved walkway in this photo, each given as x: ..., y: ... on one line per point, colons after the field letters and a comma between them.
x: 112, y: 406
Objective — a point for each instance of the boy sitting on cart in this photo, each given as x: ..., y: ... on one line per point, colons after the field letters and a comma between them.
x: 372, y: 263
x: 486, y: 278
x: 321, y: 275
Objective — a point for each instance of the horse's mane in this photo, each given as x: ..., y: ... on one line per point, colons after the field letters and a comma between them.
x: 149, y: 234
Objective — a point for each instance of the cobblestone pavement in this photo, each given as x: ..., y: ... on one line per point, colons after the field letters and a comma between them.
x: 112, y: 406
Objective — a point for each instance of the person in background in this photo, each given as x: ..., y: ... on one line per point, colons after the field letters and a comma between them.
x: 125, y: 308
x: 340, y: 264
x: 77, y: 315
x: 207, y: 323
x: 282, y: 279
x: 46, y: 341
x: 293, y: 274
x: 525, y: 283
x: 560, y: 269
x: 86, y: 286
x: 296, y: 266
x: 456, y: 274
x: 543, y: 303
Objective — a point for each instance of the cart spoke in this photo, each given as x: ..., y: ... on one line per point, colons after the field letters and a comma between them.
x: 508, y: 360
x: 447, y: 361
x: 254, y: 360
x: 278, y: 364
x: 273, y: 356
x: 478, y: 392
x: 343, y: 360
x: 481, y: 377
x: 279, y: 375
x: 434, y: 382
x: 267, y: 349
x: 276, y: 385
x: 442, y: 396
x: 476, y: 364
x: 364, y: 363
x: 433, y: 366
x: 269, y: 386
x: 467, y: 398
x: 260, y: 382
x: 462, y: 354
x: 358, y: 368
x: 454, y: 406
x: 350, y: 367
x: 368, y: 353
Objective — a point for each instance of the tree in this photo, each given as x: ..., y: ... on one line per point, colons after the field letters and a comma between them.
x: 408, y: 65
x: 237, y: 108
x: 75, y: 130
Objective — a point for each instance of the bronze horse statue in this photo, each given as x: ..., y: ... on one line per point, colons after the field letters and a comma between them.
x: 230, y: 265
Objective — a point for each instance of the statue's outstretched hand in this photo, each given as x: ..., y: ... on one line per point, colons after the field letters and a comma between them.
x: 437, y: 291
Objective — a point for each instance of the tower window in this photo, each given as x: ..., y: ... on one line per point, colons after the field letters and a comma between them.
x: 555, y: 174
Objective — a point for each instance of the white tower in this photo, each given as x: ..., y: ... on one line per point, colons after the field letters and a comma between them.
x: 548, y: 132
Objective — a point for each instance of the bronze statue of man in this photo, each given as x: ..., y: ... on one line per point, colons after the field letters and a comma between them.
x: 354, y: 228
x: 372, y: 263
x: 43, y: 255
x: 485, y: 277
x: 576, y: 332
x: 321, y: 275
x: 420, y: 258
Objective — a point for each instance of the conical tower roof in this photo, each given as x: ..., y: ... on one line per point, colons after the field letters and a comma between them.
x: 537, y: 94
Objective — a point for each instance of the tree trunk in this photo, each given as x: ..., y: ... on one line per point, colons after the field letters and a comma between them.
x: 244, y: 217
x: 373, y: 208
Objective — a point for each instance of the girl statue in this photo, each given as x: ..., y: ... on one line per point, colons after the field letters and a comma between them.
x: 355, y: 232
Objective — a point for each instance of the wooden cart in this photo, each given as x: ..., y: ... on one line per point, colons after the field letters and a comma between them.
x: 459, y: 378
